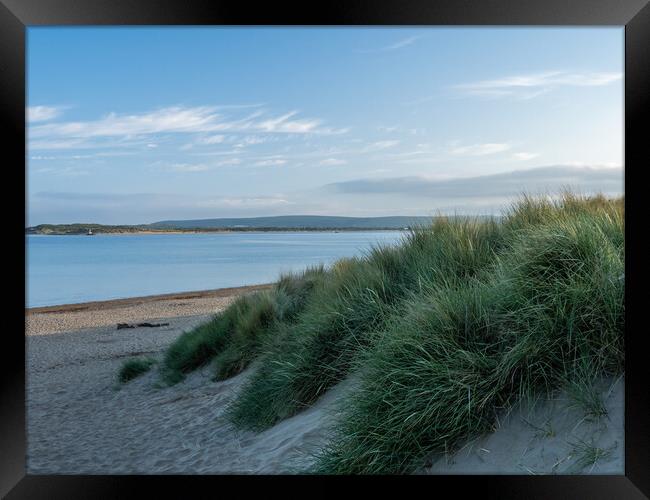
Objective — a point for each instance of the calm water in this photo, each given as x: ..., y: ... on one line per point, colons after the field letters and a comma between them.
x: 71, y: 269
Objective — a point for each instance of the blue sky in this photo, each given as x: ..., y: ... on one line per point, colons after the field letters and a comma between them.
x: 134, y: 125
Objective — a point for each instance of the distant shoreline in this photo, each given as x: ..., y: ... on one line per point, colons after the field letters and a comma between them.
x: 133, y: 301
x: 280, y: 223
x: 221, y: 231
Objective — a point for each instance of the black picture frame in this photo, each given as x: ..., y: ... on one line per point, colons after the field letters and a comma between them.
x: 16, y: 15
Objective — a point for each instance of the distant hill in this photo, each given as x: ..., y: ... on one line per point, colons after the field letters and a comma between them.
x: 296, y: 222
x: 278, y: 223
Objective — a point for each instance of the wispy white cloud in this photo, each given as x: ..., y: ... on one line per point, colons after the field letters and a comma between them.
x: 143, y: 207
x: 405, y: 42
x: 399, y: 44
x: 236, y: 139
x: 523, y: 156
x: 176, y: 119
x: 380, y: 171
x: 42, y: 157
x: 113, y: 143
x: 607, y: 165
x: 78, y: 157
x: 58, y: 144
x: 270, y: 162
x: 505, y: 185
x: 480, y: 149
x: 212, y: 139
x: 420, y: 149
x: 189, y: 167
x: 427, y: 160
x: 285, y: 124
x: 63, y: 171
x: 528, y: 86
x: 243, y: 202
x: 329, y: 162
x: 251, y: 140
x: 407, y: 154
x: 381, y: 145
x: 43, y: 113
x: 203, y: 167
x: 228, y: 161
x: 232, y: 152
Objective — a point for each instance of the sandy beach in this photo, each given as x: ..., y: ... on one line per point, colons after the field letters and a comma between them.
x: 81, y: 421
x: 69, y: 317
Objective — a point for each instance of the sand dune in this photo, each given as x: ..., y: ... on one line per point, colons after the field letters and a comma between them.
x: 80, y: 421
x: 549, y: 436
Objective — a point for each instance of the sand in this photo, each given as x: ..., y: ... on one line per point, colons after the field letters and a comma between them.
x: 81, y: 421
x: 52, y: 319
x: 549, y: 436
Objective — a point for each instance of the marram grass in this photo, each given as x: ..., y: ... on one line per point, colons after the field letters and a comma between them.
x: 231, y: 339
x: 345, y: 315
x: 459, y: 321
x: 133, y: 368
x: 550, y: 310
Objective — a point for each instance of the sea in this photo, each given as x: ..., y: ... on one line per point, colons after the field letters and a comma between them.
x: 80, y: 268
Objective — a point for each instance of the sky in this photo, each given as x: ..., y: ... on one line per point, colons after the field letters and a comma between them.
x: 130, y: 125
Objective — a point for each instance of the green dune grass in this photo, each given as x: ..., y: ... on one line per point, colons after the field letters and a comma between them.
x: 550, y: 310
x: 133, y: 368
x: 232, y: 338
x: 461, y: 320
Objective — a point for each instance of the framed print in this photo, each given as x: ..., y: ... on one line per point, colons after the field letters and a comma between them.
x: 268, y: 243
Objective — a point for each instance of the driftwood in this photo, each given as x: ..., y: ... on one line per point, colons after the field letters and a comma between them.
x: 150, y: 325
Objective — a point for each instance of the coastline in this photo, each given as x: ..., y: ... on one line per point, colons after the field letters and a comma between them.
x: 69, y: 317
x: 223, y: 231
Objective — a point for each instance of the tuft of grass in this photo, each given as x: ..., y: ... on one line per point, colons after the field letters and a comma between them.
x: 231, y: 339
x: 588, y: 455
x: 309, y: 356
x: 134, y: 368
x: 583, y: 391
x: 418, y: 388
